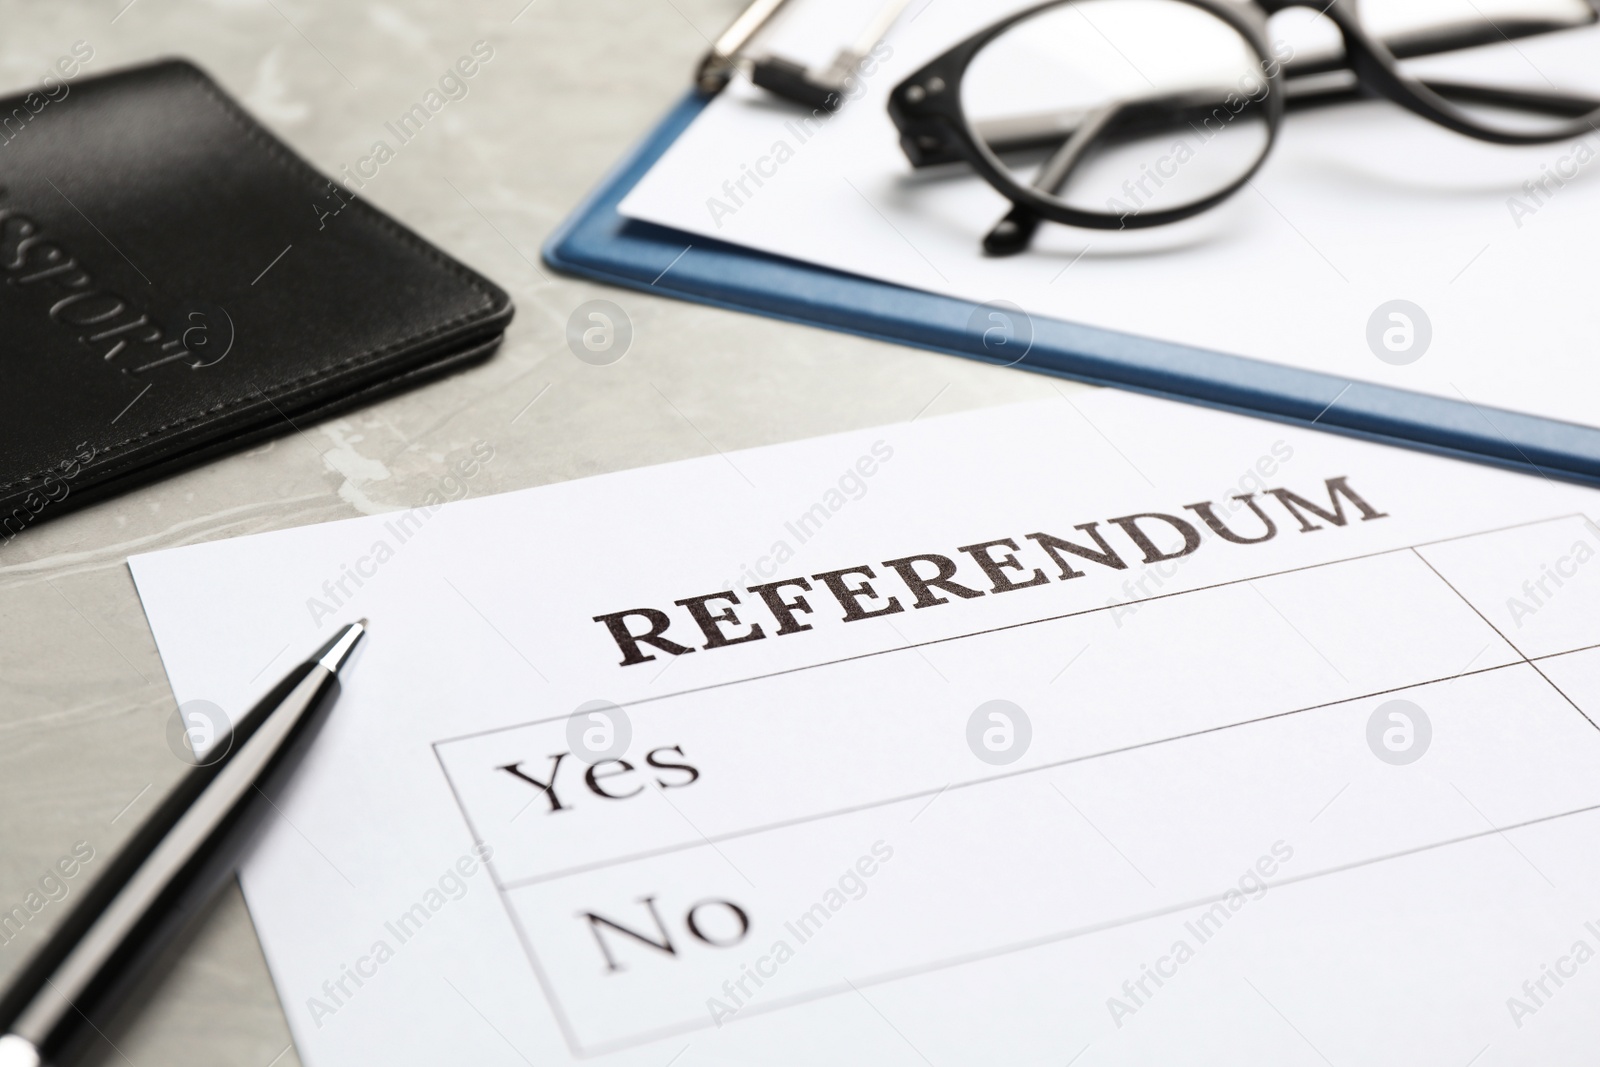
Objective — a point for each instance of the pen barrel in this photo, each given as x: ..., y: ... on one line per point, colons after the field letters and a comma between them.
x: 172, y: 866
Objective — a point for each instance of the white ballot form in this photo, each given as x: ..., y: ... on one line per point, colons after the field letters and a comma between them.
x: 1102, y: 731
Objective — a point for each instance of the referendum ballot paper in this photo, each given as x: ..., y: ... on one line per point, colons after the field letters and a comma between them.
x: 1103, y: 731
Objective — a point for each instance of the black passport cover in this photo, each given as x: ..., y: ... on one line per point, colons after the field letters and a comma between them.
x: 177, y: 283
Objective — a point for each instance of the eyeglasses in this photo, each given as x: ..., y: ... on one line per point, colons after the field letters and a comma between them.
x: 1120, y: 114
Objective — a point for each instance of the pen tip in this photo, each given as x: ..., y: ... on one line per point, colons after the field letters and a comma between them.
x: 334, y: 654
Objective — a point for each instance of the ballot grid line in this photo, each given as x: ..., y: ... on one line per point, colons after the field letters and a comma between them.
x: 898, y: 974
x: 545, y: 985
x: 1003, y: 775
x: 1509, y: 643
x: 1020, y: 772
x: 1018, y: 625
x: 503, y: 888
x: 1073, y: 933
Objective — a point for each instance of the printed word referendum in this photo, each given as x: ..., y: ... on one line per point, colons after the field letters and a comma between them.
x: 930, y: 579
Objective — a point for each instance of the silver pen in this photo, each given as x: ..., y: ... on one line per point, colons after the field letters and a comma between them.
x: 172, y: 865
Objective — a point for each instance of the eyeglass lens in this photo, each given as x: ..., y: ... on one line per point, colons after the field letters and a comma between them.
x: 1120, y: 107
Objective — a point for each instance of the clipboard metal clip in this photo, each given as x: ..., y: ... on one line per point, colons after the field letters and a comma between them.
x: 731, y: 54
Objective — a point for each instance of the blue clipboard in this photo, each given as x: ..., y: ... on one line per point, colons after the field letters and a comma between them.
x: 596, y: 242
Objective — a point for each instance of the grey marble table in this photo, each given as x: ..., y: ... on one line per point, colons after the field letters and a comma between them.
x: 84, y: 701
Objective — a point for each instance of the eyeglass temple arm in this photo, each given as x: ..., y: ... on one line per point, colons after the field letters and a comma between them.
x: 1015, y: 232
x: 1126, y: 121
x: 1560, y: 105
x: 1050, y: 128
x: 1450, y: 38
x: 1120, y: 121
x: 1306, y: 84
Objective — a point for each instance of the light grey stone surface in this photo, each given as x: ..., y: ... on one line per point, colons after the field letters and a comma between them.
x: 572, y: 85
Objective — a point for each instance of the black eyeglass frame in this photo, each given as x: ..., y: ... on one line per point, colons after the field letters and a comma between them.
x: 926, y: 107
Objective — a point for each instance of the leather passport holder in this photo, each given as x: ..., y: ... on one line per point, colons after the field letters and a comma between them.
x: 177, y: 283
